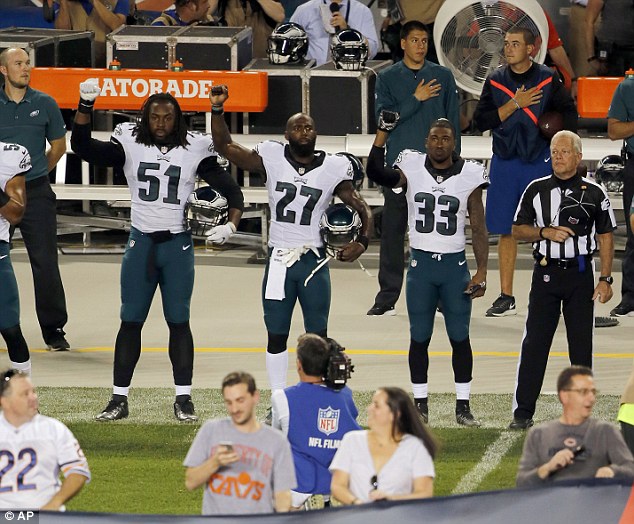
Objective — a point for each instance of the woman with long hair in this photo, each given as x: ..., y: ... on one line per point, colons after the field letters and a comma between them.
x: 392, y: 460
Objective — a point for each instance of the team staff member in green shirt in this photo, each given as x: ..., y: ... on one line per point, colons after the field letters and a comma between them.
x: 29, y: 117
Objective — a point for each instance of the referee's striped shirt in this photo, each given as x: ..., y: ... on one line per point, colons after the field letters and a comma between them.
x: 578, y: 203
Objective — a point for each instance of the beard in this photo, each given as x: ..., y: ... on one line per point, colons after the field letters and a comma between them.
x: 18, y: 84
x: 302, y: 150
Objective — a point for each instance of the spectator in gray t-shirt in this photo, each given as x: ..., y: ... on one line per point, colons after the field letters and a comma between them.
x: 246, y: 467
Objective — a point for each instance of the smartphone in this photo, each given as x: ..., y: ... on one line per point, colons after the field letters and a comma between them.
x: 216, y: 90
x: 228, y: 446
x: 578, y: 450
x: 472, y: 289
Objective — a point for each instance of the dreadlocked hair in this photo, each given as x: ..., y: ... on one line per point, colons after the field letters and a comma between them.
x: 142, y: 128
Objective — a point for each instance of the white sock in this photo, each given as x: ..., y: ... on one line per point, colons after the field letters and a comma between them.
x: 116, y: 390
x: 420, y: 390
x: 183, y: 390
x: 25, y: 367
x: 463, y: 390
x: 276, y: 369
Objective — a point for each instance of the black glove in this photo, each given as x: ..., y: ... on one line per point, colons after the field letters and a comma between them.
x: 388, y: 120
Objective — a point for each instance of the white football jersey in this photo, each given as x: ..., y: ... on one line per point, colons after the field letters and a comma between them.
x: 298, y: 200
x: 160, y: 180
x: 14, y: 159
x: 31, y: 458
x: 437, y: 207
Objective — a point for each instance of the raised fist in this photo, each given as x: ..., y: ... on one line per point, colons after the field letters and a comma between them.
x: 89, y: 90
x: 388, y: 120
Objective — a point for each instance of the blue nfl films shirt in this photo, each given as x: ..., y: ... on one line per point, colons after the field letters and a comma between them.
x: 319, y: 418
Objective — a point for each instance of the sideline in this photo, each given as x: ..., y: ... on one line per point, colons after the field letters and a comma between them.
x: 490, y: 460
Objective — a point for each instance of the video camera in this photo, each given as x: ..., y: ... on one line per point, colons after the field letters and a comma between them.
x: 340, y: 366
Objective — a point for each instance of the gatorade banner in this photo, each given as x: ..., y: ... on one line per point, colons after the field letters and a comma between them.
x: 587, y: 502
x: 128, y: 88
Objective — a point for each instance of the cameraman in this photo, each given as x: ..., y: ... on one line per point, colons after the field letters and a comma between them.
x: 315, y: 414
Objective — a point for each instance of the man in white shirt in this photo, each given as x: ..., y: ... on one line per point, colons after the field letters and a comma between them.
x: 323, y: 18
x: 34, y: 450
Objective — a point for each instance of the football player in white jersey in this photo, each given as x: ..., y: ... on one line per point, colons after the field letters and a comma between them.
x: 440, y: 188
x: 160, y: 159
x: 301, y: 183
x: 33, y: 451
x: 14, y: 163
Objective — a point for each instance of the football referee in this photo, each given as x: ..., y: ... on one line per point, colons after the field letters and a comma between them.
x: 568, y: 218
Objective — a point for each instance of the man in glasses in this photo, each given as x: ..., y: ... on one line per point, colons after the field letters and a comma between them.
x: 35, y: 449
x: 575, y: 445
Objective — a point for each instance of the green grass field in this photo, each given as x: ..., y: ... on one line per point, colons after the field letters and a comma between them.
x: 137, y: 463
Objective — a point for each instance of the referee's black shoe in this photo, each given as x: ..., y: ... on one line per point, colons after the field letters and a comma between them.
x: 381, y: 309
x: 521, y: 423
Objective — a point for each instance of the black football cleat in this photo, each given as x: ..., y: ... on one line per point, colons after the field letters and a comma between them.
x: 423, y: 410
x: 115, y: 410
x: 464, y: 417
x: 184, y: 411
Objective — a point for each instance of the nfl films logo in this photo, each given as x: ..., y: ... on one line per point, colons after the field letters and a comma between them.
x: 328, y: 420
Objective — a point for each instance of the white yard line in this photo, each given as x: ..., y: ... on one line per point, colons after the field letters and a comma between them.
x: 490, y: 460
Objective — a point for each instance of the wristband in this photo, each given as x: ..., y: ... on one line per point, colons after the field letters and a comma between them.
x: 4, y: 198
x: 515, y: 102
x: 85, y: 106
x: 592, y: 58
x: 217, y: 110
x: 363, y: 240
x: 541, y: 233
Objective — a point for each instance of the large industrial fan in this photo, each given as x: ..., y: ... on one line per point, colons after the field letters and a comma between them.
x: 469, y: 36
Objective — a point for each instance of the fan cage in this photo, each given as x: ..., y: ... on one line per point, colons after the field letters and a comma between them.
x: 472, y: 42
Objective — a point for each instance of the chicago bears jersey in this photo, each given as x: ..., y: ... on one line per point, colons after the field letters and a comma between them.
x: 160, y: 179
x: 31, y: 458
x: 437, y: 206
x: 298, y: 200
x: 14, y: 160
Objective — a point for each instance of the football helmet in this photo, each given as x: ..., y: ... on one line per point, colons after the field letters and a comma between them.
x: 339, y: 225
x: 287, y: 44
x: 358, y: 173
x: 349, y: 50
x: 609, y: 173
x: 205, y: 209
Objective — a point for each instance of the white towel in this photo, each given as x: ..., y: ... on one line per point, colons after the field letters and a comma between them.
x: 277, y: 275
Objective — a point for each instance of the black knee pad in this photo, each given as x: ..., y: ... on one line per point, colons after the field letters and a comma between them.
x: 418, y: 361
x: 462, y: 360
x: 276, y: 344
x: 16, y: 345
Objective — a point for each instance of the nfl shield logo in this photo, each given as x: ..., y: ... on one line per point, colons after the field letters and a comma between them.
x: 328, y: 420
